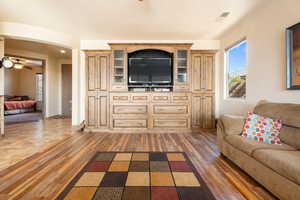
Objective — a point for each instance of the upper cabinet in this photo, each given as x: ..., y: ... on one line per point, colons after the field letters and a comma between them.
x: 202, y: 72
x: 119, y: 70
x: 181, y: 68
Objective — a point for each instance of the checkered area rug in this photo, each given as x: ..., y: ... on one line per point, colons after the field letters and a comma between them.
x: 138, y: 176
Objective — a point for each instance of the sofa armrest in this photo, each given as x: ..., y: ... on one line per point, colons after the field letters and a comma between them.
x: 231, y: 124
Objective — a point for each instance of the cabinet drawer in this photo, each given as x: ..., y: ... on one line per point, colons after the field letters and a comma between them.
x: 181, y: 87
x: 130, y: 123
x: 120, y: 97
x: 170, y: 109
x: 160, y: 98
x: 138, y: 98
x: 170, y: 123
x: 119, y: 88
x: 180, y: 98
x: 130, y: 109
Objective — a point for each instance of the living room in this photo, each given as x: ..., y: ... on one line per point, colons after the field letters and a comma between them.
x: 202, y: 103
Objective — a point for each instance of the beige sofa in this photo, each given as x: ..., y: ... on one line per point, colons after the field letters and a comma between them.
x: 276, y: 167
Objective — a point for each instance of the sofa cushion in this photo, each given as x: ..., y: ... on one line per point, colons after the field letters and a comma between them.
x: 285, y: 163
x: 290, y: 136
x: 248, y: 146
x: 288, y: 113
x: 233, y: 125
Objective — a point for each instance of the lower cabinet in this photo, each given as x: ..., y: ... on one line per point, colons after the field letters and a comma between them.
x: 203, y: 111
x: 147, y: 112
x: 97, y: 111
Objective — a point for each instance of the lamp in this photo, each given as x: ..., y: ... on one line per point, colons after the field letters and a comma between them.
x: 6, y: 63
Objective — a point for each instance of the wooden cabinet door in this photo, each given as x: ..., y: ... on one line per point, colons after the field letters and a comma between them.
x: 197, y: 111
x: 203, y: 72
x: 197, y: 60
x: 97, y: 100
x: 103, y: 110
x: 207, y: 73
x: 92, y: 85
x: 208, y: 116
x: 203, y: 111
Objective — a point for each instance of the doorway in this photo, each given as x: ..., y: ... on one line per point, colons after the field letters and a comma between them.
x: 66, y: 71
x: 24, y: 90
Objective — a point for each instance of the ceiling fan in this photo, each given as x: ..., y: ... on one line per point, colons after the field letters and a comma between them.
x: 20, y: 63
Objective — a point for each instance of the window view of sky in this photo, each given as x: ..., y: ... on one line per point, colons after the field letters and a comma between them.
x: 238, y: 60
x: 237, y: 65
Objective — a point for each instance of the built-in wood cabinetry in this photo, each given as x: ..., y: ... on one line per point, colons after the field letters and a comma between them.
x: 111, y: 107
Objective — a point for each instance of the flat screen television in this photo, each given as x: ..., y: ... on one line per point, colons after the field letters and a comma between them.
x: 150, y: 67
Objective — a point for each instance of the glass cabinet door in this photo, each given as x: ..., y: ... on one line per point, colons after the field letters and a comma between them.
x: 182, y: 66
x: 119, y: 66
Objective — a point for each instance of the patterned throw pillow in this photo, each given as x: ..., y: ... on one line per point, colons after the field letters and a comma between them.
x: 262, y: 129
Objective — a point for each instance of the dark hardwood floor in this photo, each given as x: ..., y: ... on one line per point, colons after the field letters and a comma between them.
x: 44, y: 174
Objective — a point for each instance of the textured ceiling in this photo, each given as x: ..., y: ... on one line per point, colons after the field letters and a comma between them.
x: 129, y: 19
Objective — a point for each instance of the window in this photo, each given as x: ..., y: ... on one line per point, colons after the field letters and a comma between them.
x: 236, y: 70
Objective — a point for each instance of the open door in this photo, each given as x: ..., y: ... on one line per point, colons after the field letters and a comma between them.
x: 1, y: 89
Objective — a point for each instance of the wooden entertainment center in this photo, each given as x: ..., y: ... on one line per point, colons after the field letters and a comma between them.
x: 112, y: 107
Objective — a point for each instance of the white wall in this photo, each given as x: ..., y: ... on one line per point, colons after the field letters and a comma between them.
x: 27, y: 84
x: 2, y: 69
x: 11, y: 82
x: 21, y: 82
x: 103, y: 44
x: 52, y: 74
x: 37, y: 34
x: 265, y: 32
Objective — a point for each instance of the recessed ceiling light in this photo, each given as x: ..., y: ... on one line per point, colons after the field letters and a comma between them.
x: 225, y: 14
x: 62, y: 51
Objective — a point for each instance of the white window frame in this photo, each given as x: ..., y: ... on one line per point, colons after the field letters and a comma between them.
x: 226, y: 70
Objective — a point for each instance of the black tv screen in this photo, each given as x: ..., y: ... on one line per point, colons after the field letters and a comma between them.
x: 148, y: 69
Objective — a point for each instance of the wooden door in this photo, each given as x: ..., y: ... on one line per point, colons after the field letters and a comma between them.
x: 97, y: 90
x: 92, y: 90
x: 197, y: 111
x: 203, y: 72
x: 66, y: 71
x: 208, y: 116
x: 207, y: 73
x: 203, y: 111
x: 197, y: 60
